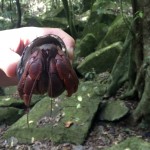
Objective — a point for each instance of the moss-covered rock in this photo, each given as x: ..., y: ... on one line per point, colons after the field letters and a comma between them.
x: 69, y: 121
x: 113, y: 110
x: 46, y: 22
x: 9, y: 115
x: 97, y: 28
x: 12, y: 99
x: 99, y: 20
x: 87, y: 45
x: 101, y: 60
x: 6, y: 101
x: 87, y: 4
x: 132, y: 143
x: 116, y: 32
x: 12, y: 107
x: 2, y: 93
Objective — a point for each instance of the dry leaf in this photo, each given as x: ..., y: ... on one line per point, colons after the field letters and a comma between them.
x: 68, y: 124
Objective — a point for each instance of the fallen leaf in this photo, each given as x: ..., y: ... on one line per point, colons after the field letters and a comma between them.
x: 68, y: 124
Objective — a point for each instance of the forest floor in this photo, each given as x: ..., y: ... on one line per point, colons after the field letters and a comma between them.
x: 101, y: 136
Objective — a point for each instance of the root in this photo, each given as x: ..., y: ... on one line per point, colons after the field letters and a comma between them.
x: 119, y: 72
x: 138, y: 85
x: 143, y: 108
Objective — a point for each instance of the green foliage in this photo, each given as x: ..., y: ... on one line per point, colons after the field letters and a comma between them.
x: 106, y: 6
x: 70, y: 17
x: 87, y: 45
x: 43, y: 10
x: 7, y: 14
x: 90, y: 75
x: 139, y: 14
x: 87, y: 4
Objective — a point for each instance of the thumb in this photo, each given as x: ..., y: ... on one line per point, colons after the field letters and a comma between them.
x: 8, y: 64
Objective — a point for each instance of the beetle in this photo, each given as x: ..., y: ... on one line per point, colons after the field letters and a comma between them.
x: 45, y: 67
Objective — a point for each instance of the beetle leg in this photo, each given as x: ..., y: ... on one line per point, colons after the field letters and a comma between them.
x: 72, y: 75
x: 66, y: 73
x: 29, y: 78
x: 56, y: 86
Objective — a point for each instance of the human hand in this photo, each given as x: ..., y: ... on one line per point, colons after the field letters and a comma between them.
x: 14, y: 41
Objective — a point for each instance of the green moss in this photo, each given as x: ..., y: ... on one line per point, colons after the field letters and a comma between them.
x: 10, y: 115
x: 76, y: 109
x: 46, y: 22
x: 116, y: 32
x: 97, y: 28
x: 113, y: 110
x: 102, y: 60
x: 132, y: 143
x: 87, y: 45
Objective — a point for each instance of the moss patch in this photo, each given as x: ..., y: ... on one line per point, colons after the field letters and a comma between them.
x: 113, y: 110
x: 102, y: 60
x: 132, y: 143
x: 77, y: 110
x: 9, y: 115
x: 116, y: 32
x: 87, y: 45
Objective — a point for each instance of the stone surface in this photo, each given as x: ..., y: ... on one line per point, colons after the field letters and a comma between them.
x: 87, y: 45
x: 99, y: 20
x: 101, y: 60
x: 9, y: 115
x: 132, y: 143
x: 113, y: 110
x: 12, y: 98
x: 117, y: 32
x: 68, y: 121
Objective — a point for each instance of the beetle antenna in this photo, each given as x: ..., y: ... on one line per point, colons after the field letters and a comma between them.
x: 30, y: 96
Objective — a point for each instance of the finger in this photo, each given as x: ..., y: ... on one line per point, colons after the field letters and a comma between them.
x: 36, y: 32
x: 68, y: 40
x: 17, y: 39
x: 9, y: 61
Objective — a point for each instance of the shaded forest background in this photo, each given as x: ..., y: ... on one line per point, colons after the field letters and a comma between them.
x: 18, y: 13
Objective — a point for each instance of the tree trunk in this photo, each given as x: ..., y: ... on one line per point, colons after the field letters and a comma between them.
x: 2, y: 6
x: 69, y: 15
x: 19, y: 14
x: 143, y: 108
x: 133, y: 64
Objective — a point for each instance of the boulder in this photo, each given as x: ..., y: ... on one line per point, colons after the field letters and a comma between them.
x: 9, y: 115
x: 117, y: 32
x: 64, y: 119
x: 113, y: 110
x: 104, y: 17
x: 132, y: 143
x: 101, y: 60
x: 87, y: 45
